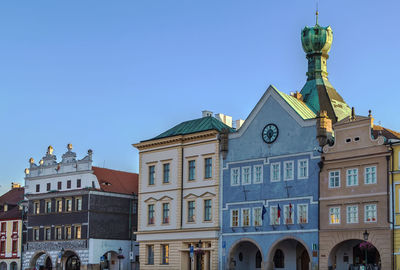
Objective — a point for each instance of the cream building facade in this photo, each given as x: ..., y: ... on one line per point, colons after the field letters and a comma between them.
x: 178, y: 196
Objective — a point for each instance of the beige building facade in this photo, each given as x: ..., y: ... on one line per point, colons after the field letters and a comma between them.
x: 178, y: 196
x: 355, y: 224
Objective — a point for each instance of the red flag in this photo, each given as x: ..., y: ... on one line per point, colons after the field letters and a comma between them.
x: 279, y: 211
x: 290, y: 210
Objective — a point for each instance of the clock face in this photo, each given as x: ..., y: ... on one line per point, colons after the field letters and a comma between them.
x: 270, y: 133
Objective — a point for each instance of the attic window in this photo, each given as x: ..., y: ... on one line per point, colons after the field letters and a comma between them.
x: 356, y: 139
x: 348, y: 140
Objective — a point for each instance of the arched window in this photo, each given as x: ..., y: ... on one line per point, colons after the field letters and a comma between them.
x: 258, y: 259
x: 279, y: 259
x: 13, y: 266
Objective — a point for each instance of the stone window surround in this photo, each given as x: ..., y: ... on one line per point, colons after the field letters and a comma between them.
x: 329, y: 178
x: 243, y: 175
x: 255, y: 173
x: 255, y: 218
x: 347, y: 176
x: 339, y: 215
x: 298, y: 169
x: 272, y: 172
x: 286, y: 177
x: 249, y: 216
x: 238, y: 176
x: 237, y: 217
x: 348, y: 217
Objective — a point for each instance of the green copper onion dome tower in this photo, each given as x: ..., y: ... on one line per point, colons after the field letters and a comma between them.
x: 318, y: 93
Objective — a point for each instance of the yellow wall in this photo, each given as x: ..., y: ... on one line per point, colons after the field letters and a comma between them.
x: 9, y: 237
x: 396, y: 182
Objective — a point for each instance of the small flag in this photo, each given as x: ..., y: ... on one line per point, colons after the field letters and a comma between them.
x: 264, y: 210
x: 279, y: 211
x: 290, y: 210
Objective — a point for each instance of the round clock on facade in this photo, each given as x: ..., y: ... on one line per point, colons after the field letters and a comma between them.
x: 270, y: 133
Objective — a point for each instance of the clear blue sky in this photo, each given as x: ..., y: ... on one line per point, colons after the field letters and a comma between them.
x: 106, y: 74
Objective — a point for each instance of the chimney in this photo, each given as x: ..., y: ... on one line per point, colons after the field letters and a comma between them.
x: 15, y: 185
x: 239, y: 123
x: 227, y: 120
x: 324, y: 128
x: 206, y: 113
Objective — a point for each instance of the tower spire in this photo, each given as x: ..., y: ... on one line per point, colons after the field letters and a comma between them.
x: 316, y: 15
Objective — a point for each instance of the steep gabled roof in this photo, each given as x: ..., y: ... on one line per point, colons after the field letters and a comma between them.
x: 116, y: 181
x: 385, y: 132
x: 299, y: 106
x: 193, y: 126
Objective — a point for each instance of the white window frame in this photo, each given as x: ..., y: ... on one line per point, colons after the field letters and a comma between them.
x: 339, y: 216
x: 255, y: 174
x: 286, y: 210
x: 347, y: 177
x: 242, y: 219
x: 232, y: 176
x: 254, y: 217
x: 376, y: 213
x: 238, y: 217
x: 244, y: 176
x: 329, y: 178
x: 272, y: 220
x: 272, y: 171
x: 299, y: 171
x: 288, y: 177
x: 298, y: 213
x: 365, y: 175
x: 348, y: 221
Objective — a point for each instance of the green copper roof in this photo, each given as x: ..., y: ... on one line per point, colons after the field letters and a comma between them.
x: 300, y: 107
x: 193, y: 126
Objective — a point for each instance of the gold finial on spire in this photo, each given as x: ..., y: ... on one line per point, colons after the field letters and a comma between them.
x: 316, y: 15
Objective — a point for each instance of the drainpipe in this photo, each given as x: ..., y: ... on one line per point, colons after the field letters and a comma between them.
x: 182, y: 166
x: 130, y: 228
x: 390, y: 175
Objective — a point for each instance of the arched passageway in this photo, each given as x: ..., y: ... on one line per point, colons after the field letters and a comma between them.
x: 41, y: 260
x: 289, y: 254
x: 350, y: 254
x: 110, y: 260
x: 70, y: 261
x: 245, y: 255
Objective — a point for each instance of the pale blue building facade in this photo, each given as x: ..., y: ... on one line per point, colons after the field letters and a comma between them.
x: 269, y: 189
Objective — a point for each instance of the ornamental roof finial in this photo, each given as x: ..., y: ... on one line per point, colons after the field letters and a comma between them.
x: 316, y: 15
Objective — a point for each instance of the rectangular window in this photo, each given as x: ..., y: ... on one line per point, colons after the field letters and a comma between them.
x: 36, y: 207
x: 235, y: 174
x: 37, y: 188
x: 275, y: 172
x: 370, y: 213
x: 192, y: 170
x: 150, y: 254
x: 59, y: 205
x: 370, y: 175
x: 15, y: 226
x: 36, y: 234
x: 334, y: 215
x: 78, y: 204
x: 352, y: 214
x: 48, y: 206
x: 245, y: 217
x: 78, y: 232
x: 246, y: 176
x: 14, y: 246
x: 150, y: 214
x: 47, y: 232
x: 59, y: 185
x: 288, y: 170
x: 274, y: 219
x: 302, y: 213
x: 58, y: 233
x: 166, y: 173
x: 334, y: 179
x: 207, y: 210
x: 68, y: 232
x: 68, y: 205
x: 2, y: 247
x: 208, y: 167
x: 191, y: 209
x: 78, y: 183
x: 257, y: 220
x: 165, y: 254
x: 352, y: 177
x: 234, y: 218
x: 69, y: 184
x: 165, y: 213
x: 151, y: 174
x: 302, y: 170
x: 288, y: 213
x: 258, y: 174
x: 48, y: 186
x: 3, y: 227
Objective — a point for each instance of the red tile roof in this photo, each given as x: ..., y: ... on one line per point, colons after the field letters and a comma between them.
x: 116, y: 181
x: 389, y: 134
x: 12, y: 196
